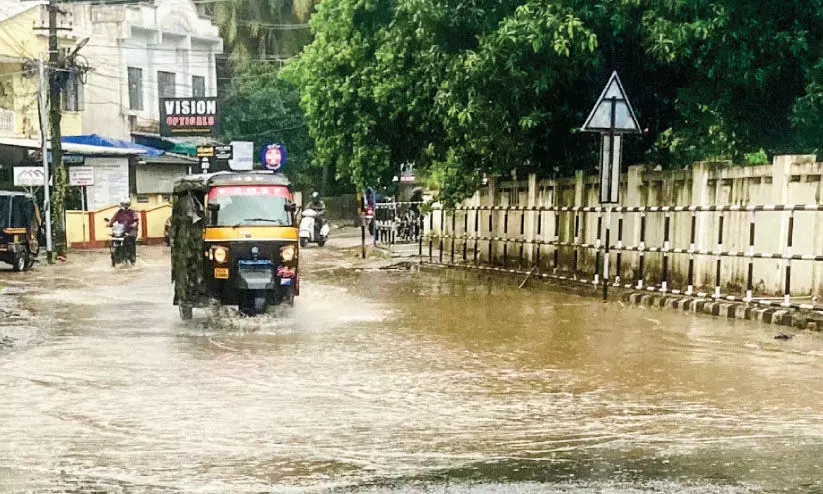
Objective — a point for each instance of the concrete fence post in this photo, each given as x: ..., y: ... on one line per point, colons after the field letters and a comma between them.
x: 781, y: 194
x: 634, y: 198
x: 491, y: 199
x: 531, y: 219
x: 705, y: 223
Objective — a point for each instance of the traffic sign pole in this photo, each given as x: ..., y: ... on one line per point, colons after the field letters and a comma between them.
x: 604, y: 119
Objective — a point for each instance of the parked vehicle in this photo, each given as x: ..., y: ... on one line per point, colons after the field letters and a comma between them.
x: 20, y: 225
x: 122, y: 245
x: 241, y: 249
x: 309, y: 231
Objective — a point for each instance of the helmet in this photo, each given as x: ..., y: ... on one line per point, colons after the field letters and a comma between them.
x: 315, y: 196
x: 125, y: 203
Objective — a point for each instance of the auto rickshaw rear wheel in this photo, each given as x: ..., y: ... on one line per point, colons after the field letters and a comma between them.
x: 186, y: 311
x: 287, y: 297
x: 20, y: 262
x: 32, y: 256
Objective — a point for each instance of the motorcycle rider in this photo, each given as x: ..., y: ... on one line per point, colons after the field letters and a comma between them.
x: 317, y: 205
x: 127, y: 217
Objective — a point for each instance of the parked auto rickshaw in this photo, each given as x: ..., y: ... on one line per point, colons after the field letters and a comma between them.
x: 234, y: 241
x: 19, y: 230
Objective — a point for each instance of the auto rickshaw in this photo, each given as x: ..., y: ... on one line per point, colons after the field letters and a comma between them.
x: 19, y: 230
x: 234, y: 241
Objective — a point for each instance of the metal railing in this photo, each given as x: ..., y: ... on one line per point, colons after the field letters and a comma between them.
x: 465, y: 235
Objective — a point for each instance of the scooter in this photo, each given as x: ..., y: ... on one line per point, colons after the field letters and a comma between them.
x: 122, y: 245
x: 308, y: 233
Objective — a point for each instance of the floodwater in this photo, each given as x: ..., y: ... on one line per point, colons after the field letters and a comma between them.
x: 396, y: 382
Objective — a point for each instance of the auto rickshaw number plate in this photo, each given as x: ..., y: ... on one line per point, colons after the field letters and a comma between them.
x: 221, y: 273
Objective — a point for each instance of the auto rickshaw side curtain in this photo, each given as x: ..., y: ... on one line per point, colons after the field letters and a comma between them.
x: 5, y: 211
x: 22, y: 212
x: 186, y: 235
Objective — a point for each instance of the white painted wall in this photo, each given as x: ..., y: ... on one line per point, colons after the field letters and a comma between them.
x: 168, y: 36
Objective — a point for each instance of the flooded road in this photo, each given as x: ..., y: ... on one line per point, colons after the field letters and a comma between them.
x: 395, y: 381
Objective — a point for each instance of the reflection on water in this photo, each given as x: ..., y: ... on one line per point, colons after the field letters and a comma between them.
x: 401, y: 382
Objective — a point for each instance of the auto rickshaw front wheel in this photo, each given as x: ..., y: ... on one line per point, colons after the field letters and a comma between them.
x: 254, y: 302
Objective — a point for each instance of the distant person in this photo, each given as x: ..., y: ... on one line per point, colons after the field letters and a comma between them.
x: 318, y: 206
x: 128, y: 217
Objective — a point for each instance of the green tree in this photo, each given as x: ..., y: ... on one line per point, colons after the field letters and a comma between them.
x: 467, y: 87
x: 256, y: 30
x: 265, y: 108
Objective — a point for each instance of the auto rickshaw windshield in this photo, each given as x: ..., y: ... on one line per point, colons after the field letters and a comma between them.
x: 251, y: 205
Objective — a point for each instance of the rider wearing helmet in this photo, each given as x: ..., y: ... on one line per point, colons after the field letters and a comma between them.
x: 127, y: 217
x: 316, y: 203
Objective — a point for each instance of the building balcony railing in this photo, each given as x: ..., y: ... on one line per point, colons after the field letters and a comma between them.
x: 8, y: 122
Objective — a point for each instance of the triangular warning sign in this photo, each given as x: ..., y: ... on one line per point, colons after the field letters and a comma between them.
x: 612, y: 112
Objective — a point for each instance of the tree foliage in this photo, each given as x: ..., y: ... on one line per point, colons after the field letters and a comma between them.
x: 265, y: 108
x: 467, y: 87
x: 258, y: 29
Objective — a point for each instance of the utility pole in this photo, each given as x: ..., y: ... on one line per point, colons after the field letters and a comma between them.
x: 44, y: 151
x: 55, y: 117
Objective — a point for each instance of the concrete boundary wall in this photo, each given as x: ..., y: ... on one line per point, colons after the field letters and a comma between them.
x: 507, y: 223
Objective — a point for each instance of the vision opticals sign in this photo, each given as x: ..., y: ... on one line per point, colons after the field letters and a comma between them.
x: 189, y: 117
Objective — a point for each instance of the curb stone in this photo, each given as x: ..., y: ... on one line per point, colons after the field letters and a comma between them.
x: 798, y: 318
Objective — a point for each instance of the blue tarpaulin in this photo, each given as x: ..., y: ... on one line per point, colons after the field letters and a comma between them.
x: 108, y: 142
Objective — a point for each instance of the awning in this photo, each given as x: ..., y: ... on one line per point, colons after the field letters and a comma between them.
x: 173, y: 144
x: 169, y: 159
x: 108, y: 142
x: 72, y: 148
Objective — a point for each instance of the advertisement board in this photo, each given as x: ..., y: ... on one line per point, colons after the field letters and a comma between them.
x: 243, y: 158
x: 81, y: 176
x: 28, y: 176
x: 273, y: 156
x: 196, y: 116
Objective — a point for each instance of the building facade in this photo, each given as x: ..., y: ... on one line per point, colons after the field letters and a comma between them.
x: 138, y: 53
x: 22, y: 42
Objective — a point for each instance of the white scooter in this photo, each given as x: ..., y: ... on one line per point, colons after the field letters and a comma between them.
x: 308, y: 233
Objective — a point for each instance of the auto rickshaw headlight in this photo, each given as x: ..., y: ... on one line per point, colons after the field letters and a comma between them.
x: 220, y: 254
x: 287, y: 253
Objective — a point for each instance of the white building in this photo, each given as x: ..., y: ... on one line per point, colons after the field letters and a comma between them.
x: 137, y: 53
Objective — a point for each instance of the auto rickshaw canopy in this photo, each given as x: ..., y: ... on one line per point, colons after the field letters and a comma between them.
x: 17, y: 209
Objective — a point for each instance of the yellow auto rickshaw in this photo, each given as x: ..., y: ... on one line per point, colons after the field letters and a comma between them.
x: 19, y: 230
x: 234, y: 241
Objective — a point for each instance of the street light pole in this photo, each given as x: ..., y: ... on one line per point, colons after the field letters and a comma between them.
x: 55, y: 117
